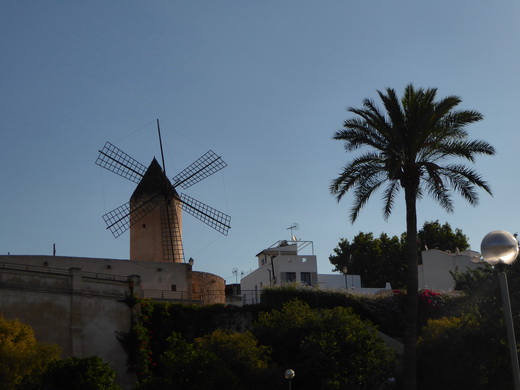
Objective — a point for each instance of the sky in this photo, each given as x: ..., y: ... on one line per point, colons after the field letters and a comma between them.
x: 264, y: 84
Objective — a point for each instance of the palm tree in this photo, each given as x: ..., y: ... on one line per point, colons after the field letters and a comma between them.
x: 410, y: 146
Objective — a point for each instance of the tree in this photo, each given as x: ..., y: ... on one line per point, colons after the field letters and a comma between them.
x: 221, y: 359
x: 242, y: 355
x: 382, y: 259
x: 21, y: 356
x: 466, y: 352
x: 376, y: 260
x: 410, y: 146
x: 79, y: 374
x: 329, y: 349
x: 433, y: 235
x: 187, y: 367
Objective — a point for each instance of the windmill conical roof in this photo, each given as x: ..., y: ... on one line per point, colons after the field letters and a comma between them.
x: 154, y: 182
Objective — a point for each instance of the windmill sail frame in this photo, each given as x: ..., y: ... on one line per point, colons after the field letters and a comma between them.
x: 122, y: 218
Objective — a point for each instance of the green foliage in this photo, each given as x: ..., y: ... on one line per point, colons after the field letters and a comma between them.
x: 240, y: 351
x: 472, y: 280
x: 187, y: 367
x: 21, y: 356
x: 473, y: 345
x: 78, y: 374
x: 328, y: 348
x: 145, y: 343
x: 436, y: 236
x: 379, y: 260
x: 467, y: 352
x: 481, y: 290
x: 327, y: 344
x: 221, y: 359
x: 385, y: 309
x: 376, y: 260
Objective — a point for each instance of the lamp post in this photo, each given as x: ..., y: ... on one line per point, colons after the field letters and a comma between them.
x: 345, y: 271
x: 500, y: 248
x: 289, y: 375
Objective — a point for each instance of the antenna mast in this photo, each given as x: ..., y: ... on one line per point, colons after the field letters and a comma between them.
x: 294, y: 226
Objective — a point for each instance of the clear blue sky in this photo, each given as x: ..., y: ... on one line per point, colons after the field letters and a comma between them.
x: 265, y: 84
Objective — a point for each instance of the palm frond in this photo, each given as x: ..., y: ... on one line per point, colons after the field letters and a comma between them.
x: 356, y: 135
x: 389, y: 197
x: 363, y: 191
x: 411, y: 144
x: 465, y: 180
x: 436, y: 188
x: 359, y: 170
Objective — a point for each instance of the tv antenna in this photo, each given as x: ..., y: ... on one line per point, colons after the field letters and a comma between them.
x: 156, y: 195
x: 294, y: 226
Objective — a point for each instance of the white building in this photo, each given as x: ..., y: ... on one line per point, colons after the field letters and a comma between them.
x: 283, y: 263
x: 437, y: 266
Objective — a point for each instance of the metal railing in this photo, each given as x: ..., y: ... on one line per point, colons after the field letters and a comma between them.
x: 170, y: 295
x: 207, y: 296
x: 61, y: 271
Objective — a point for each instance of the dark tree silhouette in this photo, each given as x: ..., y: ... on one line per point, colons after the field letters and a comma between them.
x: 410, y: 146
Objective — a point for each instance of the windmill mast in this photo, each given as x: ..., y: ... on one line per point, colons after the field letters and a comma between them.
x: 156, y: 204
x: 160, y: 145
x: 166, y: 201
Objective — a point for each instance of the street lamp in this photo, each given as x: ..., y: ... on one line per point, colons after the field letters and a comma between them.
x: 345, y: 271
x: 289, y: 375
x: 500, y: 248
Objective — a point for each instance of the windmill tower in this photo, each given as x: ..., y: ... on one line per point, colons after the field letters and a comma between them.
x: 154, y: 212
x: 157, y: 236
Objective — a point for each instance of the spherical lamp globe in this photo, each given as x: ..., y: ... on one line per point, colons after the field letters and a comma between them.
x: 499, y: 247
x: 289, y: 374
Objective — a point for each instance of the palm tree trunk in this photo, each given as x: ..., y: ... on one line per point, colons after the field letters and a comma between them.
x: 410, y: 336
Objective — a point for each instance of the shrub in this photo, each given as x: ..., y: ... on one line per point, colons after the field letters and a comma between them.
x: 327, y: 348
x: 463, y: 353
x: 79, y: 374
x: 21, y: 356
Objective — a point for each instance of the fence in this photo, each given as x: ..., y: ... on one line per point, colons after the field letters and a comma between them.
x: 61, y: 271
x: 204, y: 297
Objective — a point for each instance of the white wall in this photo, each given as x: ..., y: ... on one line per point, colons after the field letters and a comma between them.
x: 337, y: 281
x: 434, y: 272
x: 278, y: 261
x: 252, y: 284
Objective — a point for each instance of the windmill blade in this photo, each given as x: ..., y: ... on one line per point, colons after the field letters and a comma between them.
x: 210, y: 216
x: 206, y: 165
x: 171, y: 233
x: 117, y: 161
x: 120, y: 219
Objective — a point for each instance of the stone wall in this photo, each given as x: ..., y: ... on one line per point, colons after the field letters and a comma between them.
x: 211, y: 288
x: 79, y: 311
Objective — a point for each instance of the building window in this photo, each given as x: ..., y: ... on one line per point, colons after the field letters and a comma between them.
x: 289, y: 277
x: 174, y: 287
x: 305, y: 278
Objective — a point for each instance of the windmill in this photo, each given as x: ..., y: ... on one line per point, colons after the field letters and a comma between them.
x: 157, y: 205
